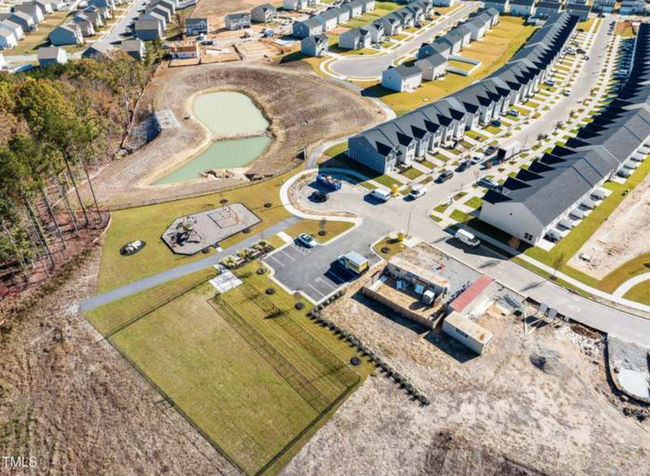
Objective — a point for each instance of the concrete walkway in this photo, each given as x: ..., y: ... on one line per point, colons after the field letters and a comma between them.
x: 623, y: 289
x: 174, y: 273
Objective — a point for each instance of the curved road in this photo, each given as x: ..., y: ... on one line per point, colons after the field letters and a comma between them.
x: 371, y: 67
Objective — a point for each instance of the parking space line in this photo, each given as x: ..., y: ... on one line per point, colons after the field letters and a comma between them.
x: 337, y: 277
x: 287, y: 255
x: 326, y: 283
x: 316, y: 290
x: 276, y: 260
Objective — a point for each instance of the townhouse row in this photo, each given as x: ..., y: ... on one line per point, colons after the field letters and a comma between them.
x: 432, y: 57
x: 561, y: 188
x: 402, y: 140
x: 331, y: 18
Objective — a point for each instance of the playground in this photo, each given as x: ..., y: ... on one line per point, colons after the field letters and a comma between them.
x: 191, y: 234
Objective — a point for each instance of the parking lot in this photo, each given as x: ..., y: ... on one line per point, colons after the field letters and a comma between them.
x: 314, y: 271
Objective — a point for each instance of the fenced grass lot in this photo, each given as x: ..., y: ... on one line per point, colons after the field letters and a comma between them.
x: 254, y: 375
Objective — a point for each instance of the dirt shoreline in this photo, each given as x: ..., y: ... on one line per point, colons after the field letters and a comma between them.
x: 303, y: 111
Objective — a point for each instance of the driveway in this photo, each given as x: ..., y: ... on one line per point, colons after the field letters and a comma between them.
x: 372, y: 67
x: 314, y: 271
x: 120, y: 30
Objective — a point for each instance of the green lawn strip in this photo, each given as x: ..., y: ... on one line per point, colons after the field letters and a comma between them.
x: 387, y: 181
x: 639, y: 293
x: 493, y: 129
x: 312, y: 227
x: 412, y: 173
x: 441, y: 208
x: 636, y: 266
x: 441, y: 157
x: 474, y: 202
x: 436, y: 219
x: 459, y: 216
x: 387, y: 248
x: 337, y: 149
x: 428, y: 164
x: 148, y: 223
x: 477, y: 136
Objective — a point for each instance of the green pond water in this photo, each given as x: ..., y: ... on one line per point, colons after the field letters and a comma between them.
x: 229, y: 113
x: 224, y: 113
x: 225, y: 154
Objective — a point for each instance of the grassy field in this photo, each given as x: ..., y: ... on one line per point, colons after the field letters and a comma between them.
x: 381, y: 9
x: 639, y: 293
x: 460, y: 65
x: 38, y: 38
x: 391, y: 246
x: 412, y: 173
x: 254, y: 374
x: 638, y: 265
x: 148, y: 224
x: 312, y: 227
x: 494, y: 50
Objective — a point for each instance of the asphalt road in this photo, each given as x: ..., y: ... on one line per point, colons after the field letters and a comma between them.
x: 371, y: 67
x: 120, y: 30
x: 314, y: 271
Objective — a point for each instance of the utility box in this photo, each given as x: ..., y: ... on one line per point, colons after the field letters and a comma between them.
x: 354, y: 262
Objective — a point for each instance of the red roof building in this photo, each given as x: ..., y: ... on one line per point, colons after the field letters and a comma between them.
x: 469, y: 298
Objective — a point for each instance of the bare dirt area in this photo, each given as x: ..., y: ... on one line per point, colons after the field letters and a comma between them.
x: 216, y: 10
x: 75, y: 405
x: 302, y: 108
x: 624, y: 235
x: 535, y: 405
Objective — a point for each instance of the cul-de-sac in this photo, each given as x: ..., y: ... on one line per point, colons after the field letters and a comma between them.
x: 325, y: 237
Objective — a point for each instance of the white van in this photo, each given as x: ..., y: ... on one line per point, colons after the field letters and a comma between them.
x: 380, y: 194
x: 467, y: 238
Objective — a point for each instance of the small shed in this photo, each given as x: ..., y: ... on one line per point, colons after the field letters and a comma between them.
x: 473, y: 300
x: 401, y: 269
x: 467, y: 332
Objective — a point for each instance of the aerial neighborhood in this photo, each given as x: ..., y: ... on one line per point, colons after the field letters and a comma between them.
x: 325, y: 237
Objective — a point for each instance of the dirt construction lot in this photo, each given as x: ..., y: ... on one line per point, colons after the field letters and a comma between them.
x: 531, y: 405
x: 216, y: 10
x: 303, y: 111
x: 623, y: 236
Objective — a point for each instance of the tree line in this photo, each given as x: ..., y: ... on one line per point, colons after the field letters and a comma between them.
x: 57, y: 125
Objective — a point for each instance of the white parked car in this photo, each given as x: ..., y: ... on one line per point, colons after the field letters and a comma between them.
x: 306, y: 240
x: 418, y: 191
x: 380, y: 194
x: 467, y: 238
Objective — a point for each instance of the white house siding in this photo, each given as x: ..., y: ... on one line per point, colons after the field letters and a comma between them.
x: 513, y: 218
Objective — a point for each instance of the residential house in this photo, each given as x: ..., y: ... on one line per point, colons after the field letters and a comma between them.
x: 148, y: 29
x: 310, y: 27
x: 580, y: 10
x: 14, y: 27
x: 94, y: 16
x: 67, y: 34
x: 264, y: 13
x: 160, y: 11
x: 632, y: 7
x: 30, y: 9
x: 3, y: 62
x: 478, y: 26
x: 197, y: 26
x: 444, y: 3
x: 7, y: 39
x: 51, y: 55
x: 97, y: 51
x: 152, y: 14
x: 316, y: 45
x: 356, y: 7
x: 344, y: 14
x: 85, y: 24
x: 185, y: 50
x: 405, y: 16
x: 545, y: 9
x: 437, y: 47
x: 368, y: 5
x: 355, y: 39
x: 605, y: 6
x: 25, y: 21
x: 46, y: 7
x: 433, y: 66
x: 294, y: 5
x: 493, y: 14
x: 330, y: 18
x: 466, y: 34
x: 502, y: 6
x: 417, y: 11
x: 454, y: 39
x: 238, y: 21
x: 110, y: 4
x: 136, y: 49
x: 376, y: 32
x: 522, y: 8
x: 402, y: 78
x: 392, y: 25
x: 168, y: 4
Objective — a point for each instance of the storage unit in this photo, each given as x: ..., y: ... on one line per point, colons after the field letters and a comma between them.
x: 467, y: 332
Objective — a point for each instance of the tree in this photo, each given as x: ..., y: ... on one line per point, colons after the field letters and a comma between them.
x: 557, y: 263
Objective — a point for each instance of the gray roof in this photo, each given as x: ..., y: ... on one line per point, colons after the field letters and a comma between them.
x: 315, y: 39
x: 49, y: 52
x: 147, y: 24
x: 523, y: 3
x: 134, y: 46
x: 238, y: 16
x: 550, y: 5
x: 578, y: 7
x: 330, y: 14
x: 432, y: 61
x: 267, y: 7
x: 407, y: 71
x: 195, y: 21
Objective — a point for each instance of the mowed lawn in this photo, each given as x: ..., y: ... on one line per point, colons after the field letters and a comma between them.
x: 148, y: 224
x: 494, y: 50
x: 194, y: 350
x: 35, y: 39
x: 382, y: 9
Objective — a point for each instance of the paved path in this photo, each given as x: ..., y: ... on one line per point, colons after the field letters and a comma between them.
x: 630, y: 283
x: 174, y: 273
x: 371, y: 67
